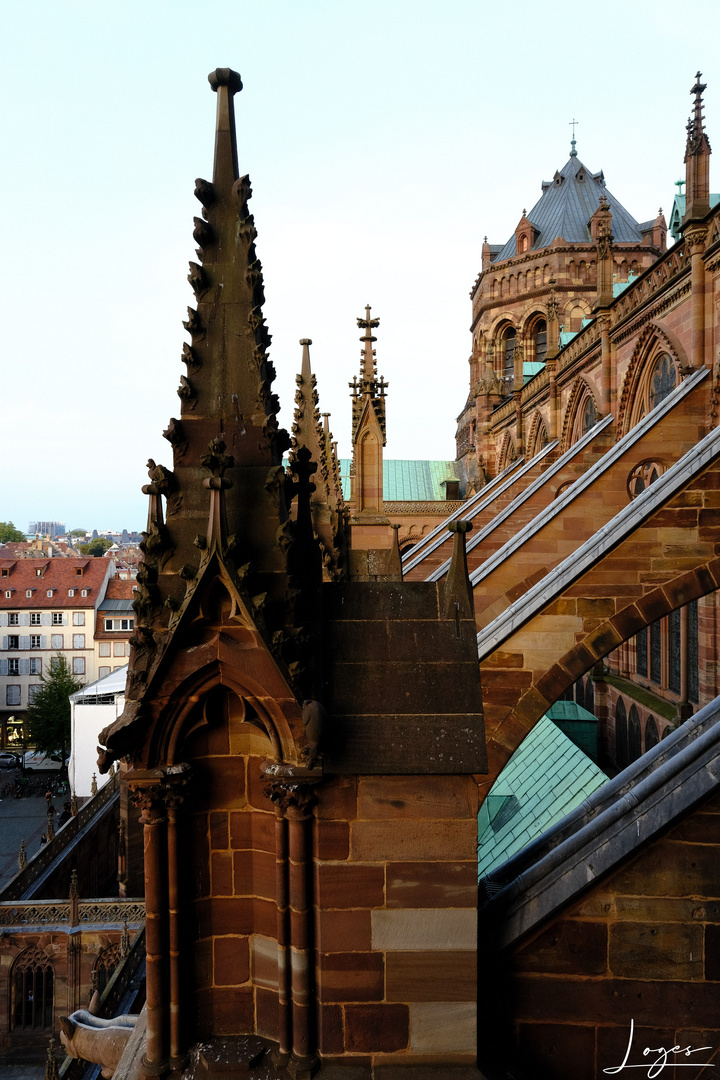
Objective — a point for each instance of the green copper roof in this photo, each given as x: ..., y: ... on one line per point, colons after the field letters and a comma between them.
x: 546, y: 778
x: 408, y: 481
x: 678, y: 212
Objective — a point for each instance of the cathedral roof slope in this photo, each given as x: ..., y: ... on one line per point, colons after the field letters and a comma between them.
x: 608, y: 826
x: 408, y: 481
x: 565, y: 207
x: 546, y: 778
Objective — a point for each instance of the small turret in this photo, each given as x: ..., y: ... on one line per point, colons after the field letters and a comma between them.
x: 697, y: 160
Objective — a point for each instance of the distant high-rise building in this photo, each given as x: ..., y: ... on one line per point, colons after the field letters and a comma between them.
x: 47, y: 528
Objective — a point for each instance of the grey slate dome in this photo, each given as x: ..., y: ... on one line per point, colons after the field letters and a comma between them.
x: 567, y: 203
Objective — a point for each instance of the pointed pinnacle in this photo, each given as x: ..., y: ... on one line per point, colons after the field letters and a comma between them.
x: 226, y: 83
x: 305, y: 371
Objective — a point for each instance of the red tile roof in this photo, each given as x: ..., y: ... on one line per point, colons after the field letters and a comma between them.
x: 121, y: 589
x: 59, y: 576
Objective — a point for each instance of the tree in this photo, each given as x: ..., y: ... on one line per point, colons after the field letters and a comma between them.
x: 9, y: 532
x: 48, y: 716
x: 96, y: 547
x: 78, y: 532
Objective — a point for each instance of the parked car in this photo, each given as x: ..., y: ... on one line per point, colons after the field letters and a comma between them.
x: 8, y: 760
x: 40, y: 761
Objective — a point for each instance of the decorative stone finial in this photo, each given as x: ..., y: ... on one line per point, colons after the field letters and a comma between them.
x: 458, y: 599
x: 93, y: 785
x: 226, y: 83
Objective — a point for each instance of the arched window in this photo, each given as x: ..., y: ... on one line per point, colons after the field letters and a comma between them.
x: 509, y: 359
x: 575, y: 318
x: 643, y: 475
x: 32, y: 990
x: 621, y: 735
x: 590, y: 695
x: 674, y: 651
x: 656, y: 652
x: 651, y: 733
x: 105, y: 965
x: 540, y: 341
x: 588, y: 415
x: 663, y: 378
x: 634, y: 735
x: 693, y: 667
x: 651, y: 379
x: 641, y: 651
x: 582, y: 413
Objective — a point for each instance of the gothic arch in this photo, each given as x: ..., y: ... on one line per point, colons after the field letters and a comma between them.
x: 32, y: 990
x: 654, y: 340
x: 621, y: 735
x: 651, y: 733
x: 104, y: 966
x: 582, y: 398
x: 634, y: 735
x: 537, y: 436
x: 506, y: 452
x: 611, y: 633
x: 187, y: 712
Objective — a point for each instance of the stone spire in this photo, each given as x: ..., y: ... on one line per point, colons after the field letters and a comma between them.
x: 307, y: 428
x: 225, y: 500
x: 368, y: 425
x: 369, y: 386
x: 697, y: 160
x: 325, y: 500
x: 225, y: 397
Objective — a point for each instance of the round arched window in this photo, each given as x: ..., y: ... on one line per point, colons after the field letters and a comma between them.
x: 642, y: 476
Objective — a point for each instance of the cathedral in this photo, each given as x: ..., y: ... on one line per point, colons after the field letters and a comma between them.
x: 322, y: 703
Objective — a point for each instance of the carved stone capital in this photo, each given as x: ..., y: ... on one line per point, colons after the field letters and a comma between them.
x: 158, y: 793
x: 291, y: 788
x: 695, y: 237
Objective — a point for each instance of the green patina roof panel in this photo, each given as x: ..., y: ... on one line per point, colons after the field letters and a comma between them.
x: 544, y: 780
x: 408, y: 481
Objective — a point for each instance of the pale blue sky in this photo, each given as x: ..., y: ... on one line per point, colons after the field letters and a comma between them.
x: 383, y: 140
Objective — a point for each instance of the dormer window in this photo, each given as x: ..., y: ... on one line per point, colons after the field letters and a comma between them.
x: 71, y: 592
x: 78, y: 571
x: 29, y: 592
x: 8, y: 593
x: 38, y: 573
x: 5, y: 572
x: 50, y: 592
x: 83, y: 592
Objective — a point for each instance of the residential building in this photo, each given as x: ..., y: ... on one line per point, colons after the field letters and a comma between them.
x: 115, y: 622
x: 47, y: 608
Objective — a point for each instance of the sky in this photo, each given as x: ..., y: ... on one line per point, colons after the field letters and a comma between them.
x: 384, y: 139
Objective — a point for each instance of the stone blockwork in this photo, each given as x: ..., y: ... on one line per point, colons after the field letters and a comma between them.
x: 574, y: 987
x: 395, y: 877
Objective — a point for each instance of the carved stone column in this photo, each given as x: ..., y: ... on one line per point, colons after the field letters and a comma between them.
x: 173, y: 800
x: 695, y: 236
x: 292, y: 789
x: 606, y: 364
x: 149, y: 797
